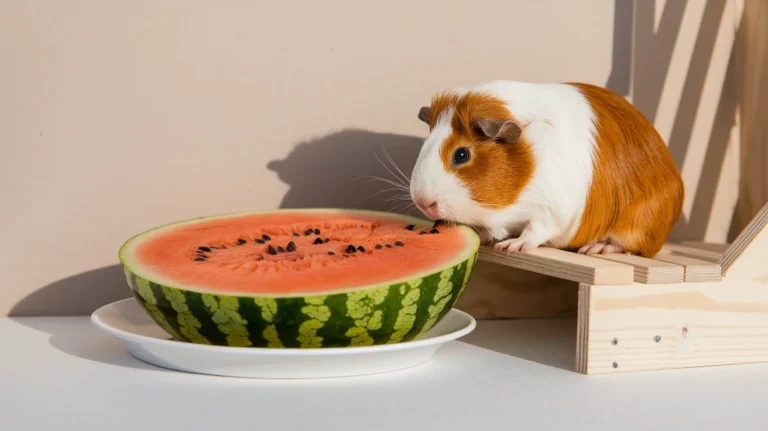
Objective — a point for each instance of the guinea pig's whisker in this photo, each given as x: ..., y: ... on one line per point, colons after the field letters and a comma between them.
x: 398, y: 185
x: 402, y: 196
x: 391, y: 189
x: 399, y: 206
x: 398, y: 179
x: 398, y: 199
x: 391, y: 160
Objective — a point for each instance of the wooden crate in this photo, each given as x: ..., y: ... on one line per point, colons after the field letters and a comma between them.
x: 689, y: 306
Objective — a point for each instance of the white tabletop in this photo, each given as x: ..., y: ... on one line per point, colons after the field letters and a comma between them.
x: 61, y: 373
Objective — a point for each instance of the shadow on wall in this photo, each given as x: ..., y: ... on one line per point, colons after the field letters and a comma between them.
x: 652, y: 46
x: 331, y: 171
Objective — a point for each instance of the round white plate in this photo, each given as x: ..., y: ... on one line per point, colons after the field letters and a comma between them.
x: 145, y: 340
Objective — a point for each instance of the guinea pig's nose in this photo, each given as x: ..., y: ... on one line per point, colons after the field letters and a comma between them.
x: 428, y: 207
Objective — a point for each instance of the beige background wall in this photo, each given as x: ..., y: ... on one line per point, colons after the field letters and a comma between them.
x: 119, y: 116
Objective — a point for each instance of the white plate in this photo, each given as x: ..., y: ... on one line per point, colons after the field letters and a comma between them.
x: 147, y: 342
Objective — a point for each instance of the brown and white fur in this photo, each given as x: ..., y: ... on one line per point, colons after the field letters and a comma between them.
x: 571, y: 166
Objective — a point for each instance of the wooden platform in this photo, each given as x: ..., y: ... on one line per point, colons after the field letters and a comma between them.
x: 691, y: 305
x: 675, y: 264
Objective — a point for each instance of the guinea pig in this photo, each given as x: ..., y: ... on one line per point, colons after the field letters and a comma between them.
x: 565, y: 165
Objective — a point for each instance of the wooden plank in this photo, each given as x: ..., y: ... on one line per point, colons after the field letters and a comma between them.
x: 582, y: 329
x: 563, y: 264
x: 709, y: 246
x: 696, y: 253
x: 696, y: 270
x: 746, y: 257
x: 663, y: 326
x: 649, y: 271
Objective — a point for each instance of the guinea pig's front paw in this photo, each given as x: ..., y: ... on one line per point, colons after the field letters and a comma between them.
x: 515, y: 244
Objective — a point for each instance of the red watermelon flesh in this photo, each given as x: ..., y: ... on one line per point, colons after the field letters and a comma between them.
x: 296, y: 252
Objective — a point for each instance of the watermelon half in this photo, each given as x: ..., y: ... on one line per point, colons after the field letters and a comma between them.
x: 300, y: 278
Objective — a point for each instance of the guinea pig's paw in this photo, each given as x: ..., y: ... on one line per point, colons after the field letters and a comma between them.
x: 516, y: 244
x: 600, y: 248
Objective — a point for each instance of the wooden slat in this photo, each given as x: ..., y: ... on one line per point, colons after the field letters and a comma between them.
x: 696, y: 253
x: 697, y: 324
x: 563, y: 264
x: 696, y: 270
x: 649, y: 271
x: 709, y: 246
x: 746, y: 257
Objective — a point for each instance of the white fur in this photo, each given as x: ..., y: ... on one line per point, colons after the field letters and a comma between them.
x: 549, y: 209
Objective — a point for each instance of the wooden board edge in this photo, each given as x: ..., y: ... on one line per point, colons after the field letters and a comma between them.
x: 649, y: 271
x: 745, y: 242
x: 563, y: 264
x: 696, y: 270
x: 582, y: 330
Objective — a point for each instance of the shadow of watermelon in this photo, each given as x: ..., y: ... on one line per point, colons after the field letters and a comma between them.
x: 77, y: 295
x: 70, y: 297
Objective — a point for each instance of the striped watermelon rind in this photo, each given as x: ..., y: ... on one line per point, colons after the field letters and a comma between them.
x: 385, y: 314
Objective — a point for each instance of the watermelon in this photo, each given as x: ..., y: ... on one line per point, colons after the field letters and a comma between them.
x: 300, y: 278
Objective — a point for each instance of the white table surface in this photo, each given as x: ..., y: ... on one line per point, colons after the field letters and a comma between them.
x: 61, y: 373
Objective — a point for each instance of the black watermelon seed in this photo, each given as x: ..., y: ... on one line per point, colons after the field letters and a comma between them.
x: 410, y: 227
x: 388, y: 246
x: 422, y: 233
x: 266, y: 237
x: 308, y: 232
x: 345, y: 255
x: 203, y: 249
x: 291, y: 246
x: 317, y: 231
x: 434, y: 231
x: 326, y: 240
x: 378, y: 247
x: 241, y: 241
x: 199, y: 259
x: 271, y: 250
x: 260, y: 257
x: 260, y: 241
x: 296, y: 234
x: 351, y: 249
x: 317, y: 241
x: 361, y: 249
x: 280, y: 249
x: 438, y: 223
x: 398, y: 243
x: 330, y: 253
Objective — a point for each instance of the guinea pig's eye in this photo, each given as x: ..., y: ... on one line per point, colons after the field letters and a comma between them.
x: 461, y: 156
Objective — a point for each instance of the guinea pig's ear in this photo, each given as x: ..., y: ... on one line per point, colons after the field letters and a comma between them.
x: 425, y: 114
x: 504, y: 131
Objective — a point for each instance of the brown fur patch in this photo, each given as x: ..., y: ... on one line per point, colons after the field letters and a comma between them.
x: 440, y: 103
x: 496, y: 172
x: 637, y: 191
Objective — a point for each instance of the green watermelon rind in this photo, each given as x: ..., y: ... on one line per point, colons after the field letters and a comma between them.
x: 398, y: 311
x: 385, y: 314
